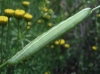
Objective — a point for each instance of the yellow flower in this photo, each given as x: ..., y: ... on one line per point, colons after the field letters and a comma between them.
x: 50, y: 11
x: 28, y: 26
x: 29, y: 23
x: 56, y: 42
x: 66, y: 45
x: 9, y: 12
x: 45, y: 9
x: 47, y: 16
x: 94, y: 47
x: 28, y: 17
x: 50, y: 24
x: 3, y: 20
x: 61, y: 41
x: 39, y: 21
x: 98, y: 15
x: 52, y: 46
x: 47, y: 72
x: 19, y: 13
x: 26, y: 3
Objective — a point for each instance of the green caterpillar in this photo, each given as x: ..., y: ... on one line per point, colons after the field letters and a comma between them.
x: 50, y: 35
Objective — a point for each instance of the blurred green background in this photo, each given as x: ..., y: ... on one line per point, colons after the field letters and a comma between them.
x: 76, y: 52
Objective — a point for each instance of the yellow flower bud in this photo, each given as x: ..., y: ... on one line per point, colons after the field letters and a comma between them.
x: 66, y: 45
x: 39, y: 21
x: 28, y: 26
x: 98, y: 15
x: 50, y: 11
x: 46, y: 16
x: 47, y: 72
x: 26, y: 3
x: 56, y: 42
x: 94, y: 47
x: 19, y: 13
x: 3, y: 20
x: 45, y: 9
x: 28, y: 17
x: 29, y: 23
x: 50, y: 24
x: 9, y: 12
x: 52, y: 46
x: 61, y: 41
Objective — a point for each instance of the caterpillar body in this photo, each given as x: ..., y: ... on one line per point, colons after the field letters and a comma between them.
x: 49, y: 36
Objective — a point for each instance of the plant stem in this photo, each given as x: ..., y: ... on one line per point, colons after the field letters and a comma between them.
x: 8, y: 35
x: 18, y: 29
x: 23, y: 67
x: 2, y: 65
x: 95, y: 8
x: 18, y: 35
x: 2, y: 43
